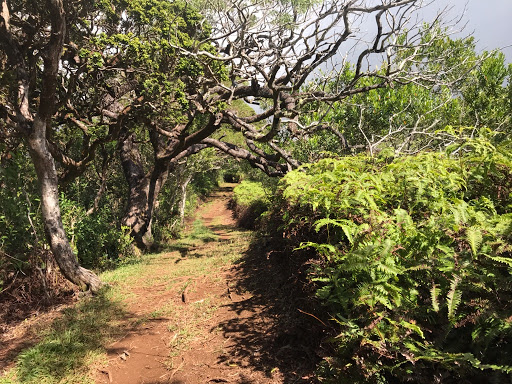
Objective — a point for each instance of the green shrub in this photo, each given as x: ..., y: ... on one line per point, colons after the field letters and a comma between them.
x: 414, y: 262
x: 21, y: 227
x: 204, y: 183
x: 96, y: 239
x: 166, y: 218
x: 250, y: 201
x: 248, y: 192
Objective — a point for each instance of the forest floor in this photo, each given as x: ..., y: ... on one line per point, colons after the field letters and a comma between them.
x: 207, y: 310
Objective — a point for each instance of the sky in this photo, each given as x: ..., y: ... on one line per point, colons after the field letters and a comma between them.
x: 489, y: 21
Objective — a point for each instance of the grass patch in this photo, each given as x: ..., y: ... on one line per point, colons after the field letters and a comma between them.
x: 72, y: 344
x: 194, y: 238
x: 202, y: 233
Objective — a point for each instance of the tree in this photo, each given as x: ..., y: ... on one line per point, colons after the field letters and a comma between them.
x: 409, y: 118
x: 270, y: 51
x: 487, y: 93
x: 32, y: 56
x: 161, y: 80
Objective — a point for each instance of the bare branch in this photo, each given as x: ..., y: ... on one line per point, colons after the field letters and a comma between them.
x: 271, y: 168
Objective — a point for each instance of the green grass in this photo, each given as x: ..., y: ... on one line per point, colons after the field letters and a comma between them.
x: 197, y: 236
x: 72, y: 344
x: 202, y: 233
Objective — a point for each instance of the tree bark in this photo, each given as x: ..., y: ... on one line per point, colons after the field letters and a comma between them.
x: 183, y: 197
x: 143, y: 191
x: 54, y: 228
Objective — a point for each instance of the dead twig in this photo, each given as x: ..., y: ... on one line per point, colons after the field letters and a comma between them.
x: 177, y: 369
x: 313, y: 316
x: 110, y: 380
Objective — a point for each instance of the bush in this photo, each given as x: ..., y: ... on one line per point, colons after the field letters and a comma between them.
x: 204, y: 183
x: 96, y: 239
x: 21, y: 227
x: 249, y: 202
x: 414, y: 262
x: 101, y: 244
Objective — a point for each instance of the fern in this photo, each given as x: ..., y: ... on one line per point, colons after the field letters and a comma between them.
x: 323, y: 249
x: 402, y: 237
x: 434, y: 294
x: 412, y: 327
x: 474, y: 237
x: 504, y: 260
x: 459, y: 212
x: 348, y: 227
x: 453, y: 298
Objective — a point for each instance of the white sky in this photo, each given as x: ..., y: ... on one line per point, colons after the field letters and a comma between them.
x: 489, y: 21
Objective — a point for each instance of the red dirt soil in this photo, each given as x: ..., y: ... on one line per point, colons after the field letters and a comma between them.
x: 245, y: 323
x: 239, y: 343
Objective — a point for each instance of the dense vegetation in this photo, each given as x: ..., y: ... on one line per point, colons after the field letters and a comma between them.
x: 118, y: 116
x: 414, y: 260
x: 407, y: 230
x: 250, y: 201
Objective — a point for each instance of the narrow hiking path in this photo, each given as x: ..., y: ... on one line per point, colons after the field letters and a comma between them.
x: 220, y: 305
x: 195, y: 318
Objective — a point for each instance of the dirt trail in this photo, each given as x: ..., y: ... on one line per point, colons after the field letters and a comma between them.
x: 206, y: 326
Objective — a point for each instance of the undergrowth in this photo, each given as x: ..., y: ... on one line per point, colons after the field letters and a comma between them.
x: 250, y: 200
x: 414, y: 262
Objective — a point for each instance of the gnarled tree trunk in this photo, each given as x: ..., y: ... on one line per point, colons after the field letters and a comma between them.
x: 54, y: 228
x: 144, y: 188
x: 33, y: 122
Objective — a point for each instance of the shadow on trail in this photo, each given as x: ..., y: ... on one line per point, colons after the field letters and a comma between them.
x: 270, y: 331
x: 226, y: 188
x: 222, y: 229
x: 242, y: 380
x: 188, y: 251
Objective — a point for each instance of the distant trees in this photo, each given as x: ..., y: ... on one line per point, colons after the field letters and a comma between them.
x: 475, y: 91
x: 160, y: 80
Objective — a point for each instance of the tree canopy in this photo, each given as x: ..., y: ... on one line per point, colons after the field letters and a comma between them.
x: 151, y: 82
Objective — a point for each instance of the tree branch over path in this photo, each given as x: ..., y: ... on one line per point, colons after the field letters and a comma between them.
x: 163, y: 81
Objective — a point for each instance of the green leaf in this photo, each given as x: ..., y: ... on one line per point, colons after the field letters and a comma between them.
x: 349, y: 228
x: 453, y: 298
x: 474, y: 238
x: 413, y: 327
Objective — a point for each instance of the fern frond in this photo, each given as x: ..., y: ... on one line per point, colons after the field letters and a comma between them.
x: 389, y: 269
x: 503, y: 260
x: 322, y: 249
x: 412, y: 327
x: 349, y: 228
x: 434, y: 294
x: 453, y: 298
x: 460, y: 212
x: 474, y: 237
